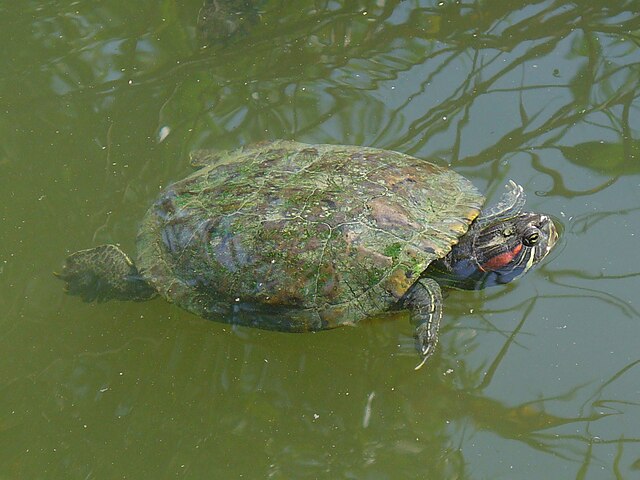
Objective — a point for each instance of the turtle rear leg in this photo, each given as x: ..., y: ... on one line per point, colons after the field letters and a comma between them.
x: 424, y: 301
x: 104, y: 273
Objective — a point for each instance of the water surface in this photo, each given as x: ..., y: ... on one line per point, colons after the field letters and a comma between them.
x: 101, y: 103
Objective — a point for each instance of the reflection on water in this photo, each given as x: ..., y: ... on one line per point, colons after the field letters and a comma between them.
x: 101, y: 105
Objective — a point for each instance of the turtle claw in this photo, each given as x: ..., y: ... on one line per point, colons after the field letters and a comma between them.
x: 424, y: 360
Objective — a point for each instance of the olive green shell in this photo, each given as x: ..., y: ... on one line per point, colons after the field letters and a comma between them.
x: 301, y: 237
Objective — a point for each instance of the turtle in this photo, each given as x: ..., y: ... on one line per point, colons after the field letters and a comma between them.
x: 301, y: 237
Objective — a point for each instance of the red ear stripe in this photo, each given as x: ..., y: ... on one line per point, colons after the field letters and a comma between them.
x: 501, y: 260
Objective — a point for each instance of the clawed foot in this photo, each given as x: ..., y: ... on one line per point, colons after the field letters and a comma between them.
x: 104, y: 273
x: 79, y: 279
x: 424, y: 299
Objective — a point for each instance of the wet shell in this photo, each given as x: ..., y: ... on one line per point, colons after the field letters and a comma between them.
x: 314, y: 235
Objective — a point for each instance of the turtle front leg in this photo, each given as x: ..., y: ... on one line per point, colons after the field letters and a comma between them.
x: 424, y: 301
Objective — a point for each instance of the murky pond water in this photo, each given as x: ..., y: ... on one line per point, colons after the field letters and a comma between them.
x: 101, y: 103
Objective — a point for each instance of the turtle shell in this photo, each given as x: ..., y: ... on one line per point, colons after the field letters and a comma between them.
x: 318, y: 235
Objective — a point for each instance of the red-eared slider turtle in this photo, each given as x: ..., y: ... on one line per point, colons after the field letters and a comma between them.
x: 296, y: 237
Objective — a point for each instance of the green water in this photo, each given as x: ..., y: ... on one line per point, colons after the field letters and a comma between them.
x: 100, y: 103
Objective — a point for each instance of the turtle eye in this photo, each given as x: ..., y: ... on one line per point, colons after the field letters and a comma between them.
x: 507, y: 232
x: 531, y: 239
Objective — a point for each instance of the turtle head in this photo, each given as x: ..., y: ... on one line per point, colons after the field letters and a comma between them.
x: 505, y: 250
x: 501, y: 245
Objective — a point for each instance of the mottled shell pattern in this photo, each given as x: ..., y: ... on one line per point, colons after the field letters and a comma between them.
x: 317, y: 235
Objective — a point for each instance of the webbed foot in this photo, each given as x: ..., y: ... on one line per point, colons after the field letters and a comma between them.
x: 104, y: 273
